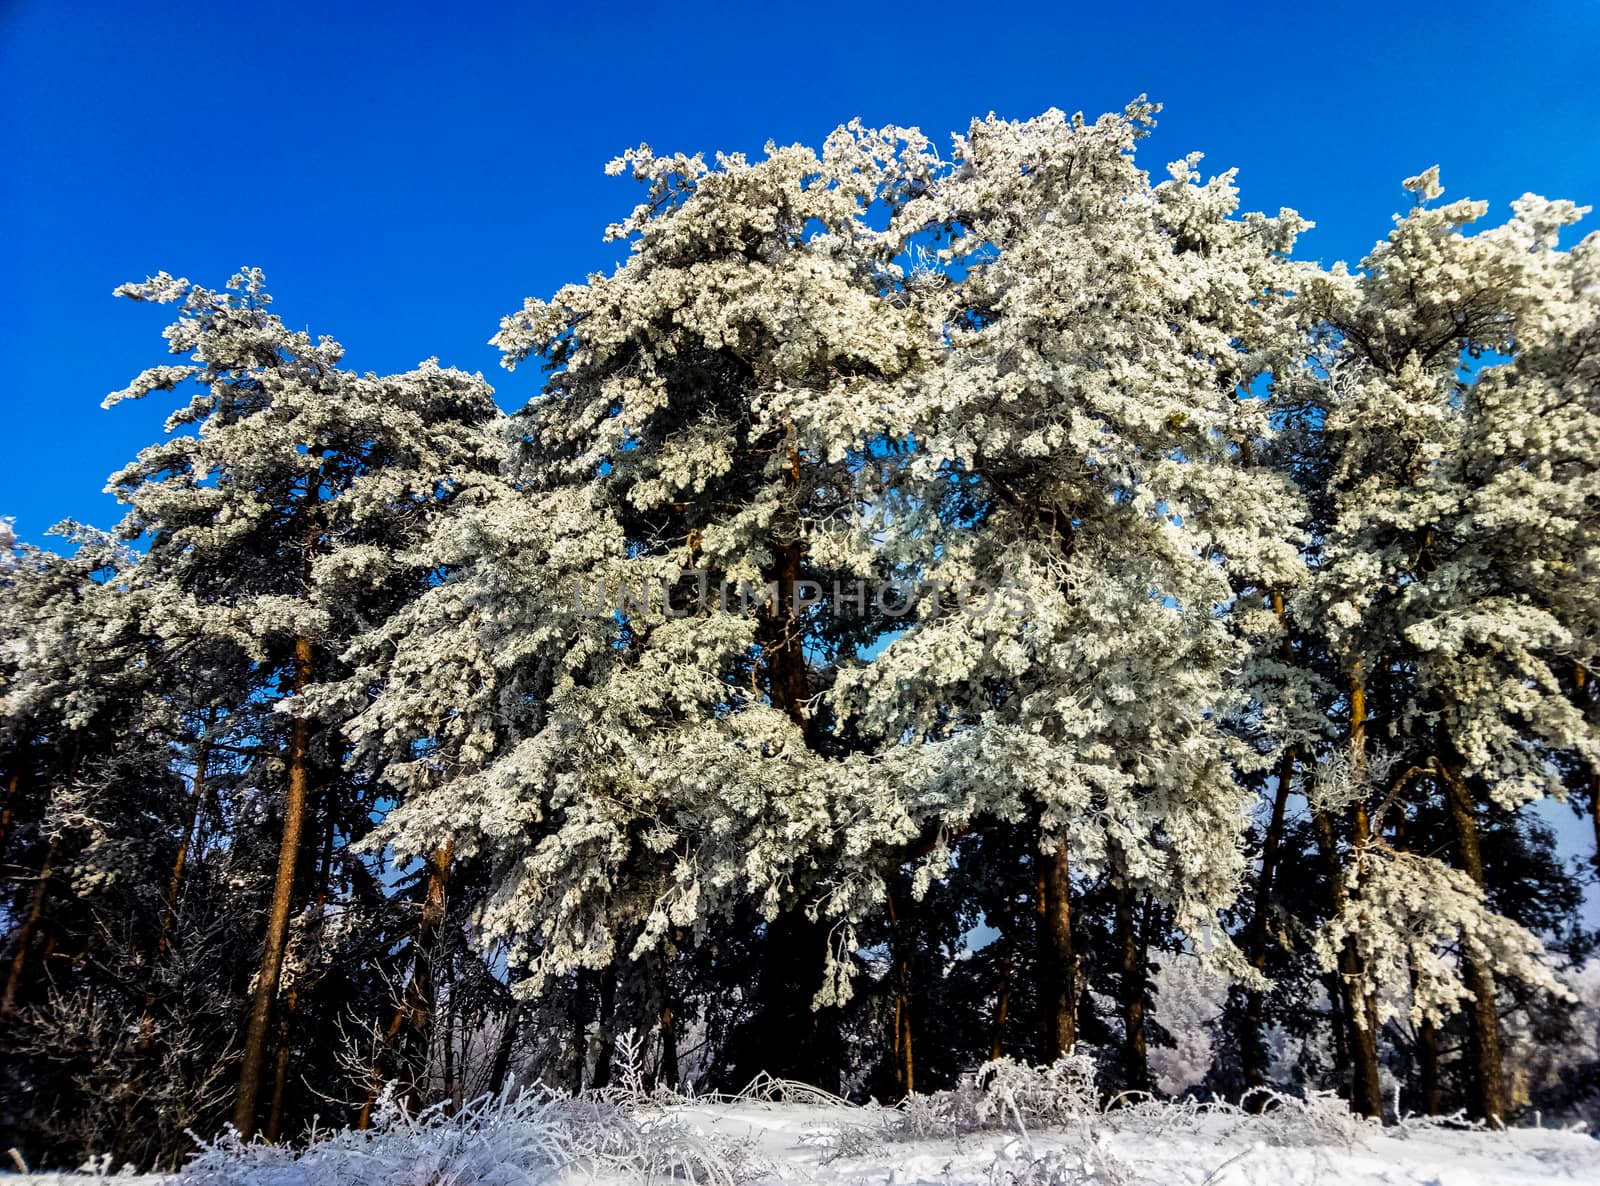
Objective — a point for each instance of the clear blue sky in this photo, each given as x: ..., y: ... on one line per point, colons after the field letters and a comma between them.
x: 406, y: 174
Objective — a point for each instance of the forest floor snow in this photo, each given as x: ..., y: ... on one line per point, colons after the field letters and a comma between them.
x: 820, y: 1146
x: 818, y: 1141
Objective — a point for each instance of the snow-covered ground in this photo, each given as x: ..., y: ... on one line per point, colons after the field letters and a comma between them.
x: 783, y: 1134
x: 800, y: 1145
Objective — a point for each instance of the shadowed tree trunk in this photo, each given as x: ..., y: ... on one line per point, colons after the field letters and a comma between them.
x: 800, y: 1041
x: 29, y: 928
x: 1002, y: 999
x: 180, y: 863
x: 417, y: 998
x: 1057, y: 960
x: 905, y: 1066
x: 12, y: 783
x: 1589, y: 703
x: 667, y: 1073
x: 501, y: 1067
x: 605, y: 1031
x: 298, y: 761
x: 31, y: 921
x: 1489, y: 1085
x: 1253, y: 1046
x: 1131, y: 980
x: 1362, y: 1012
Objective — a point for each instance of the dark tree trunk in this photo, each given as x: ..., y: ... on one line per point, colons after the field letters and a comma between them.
x: 1253, y: 1046
x: 12, y: 783
x: 605, y: 1033
x: 280, y: 1070
x: 417, y: 999
x: 1428, y: 1067
x: 1002, y: 999
x: 1131, y: 981
x: 298, y: 761
x: 501, y: 1068
x: 1356, y: 1039
x: 788, y: 1038
x: 1489, y: 1086
x: 29, y: 929
x: 34, y: 919
x: 1058, y: 961
x: 905, y: 1066
x: 667, y: 1072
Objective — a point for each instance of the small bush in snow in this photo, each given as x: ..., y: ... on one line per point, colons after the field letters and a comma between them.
x: 492, y: 1141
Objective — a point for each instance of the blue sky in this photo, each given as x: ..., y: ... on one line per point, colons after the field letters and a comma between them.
x: 406, y: 174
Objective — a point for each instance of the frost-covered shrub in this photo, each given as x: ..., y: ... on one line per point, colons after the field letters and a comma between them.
x: 1056, y: 1094
x: 492, y: 1141
x: 1002, y: 1093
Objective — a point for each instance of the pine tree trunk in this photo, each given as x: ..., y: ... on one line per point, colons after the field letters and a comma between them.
x: 501, y: 1067
x: 605, y: 1032
x: 1427, y: 1035
x: 905, y: 1070
x: 667, y: 1074
x: 280, y: 1068
x: 798, y: 1036
x: 578, y: 1019
x: 1058, y: 961
x: 1002, y: 1000
x: 417, y: 998
x: 29, y: 928
x: 1357, y: 1039
x: 1131, y: 980
x: 1483, y: 1013
x: 298, y: 762
x: 452, y: 1084
x: 1589, y: 703
x: 788, y: 1038
x: 197, y: 805
x: 1428, y: 1067
x: 1253, y: 1047
x: 169, y: 906
x: 1367, y: 1088
x: 36, y: 901
x: 12, y: 783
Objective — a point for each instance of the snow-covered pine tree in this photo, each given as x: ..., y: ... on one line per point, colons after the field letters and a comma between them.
x: 1093, y: 400
x: 279, y: 522
x: 1453, y: 592
x: 714, y: 406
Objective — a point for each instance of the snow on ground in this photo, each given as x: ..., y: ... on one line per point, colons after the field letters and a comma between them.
x: 803, y: 1145
x: 1025, y: 1130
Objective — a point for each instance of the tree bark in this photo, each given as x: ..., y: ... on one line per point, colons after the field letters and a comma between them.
x: 1131, y: 980
x: 1358, y: 1036
x: 417, y: 998
x: 28, y: 929
x: 1058, y: 960
x: 298, y: 761
x: 1253, y: 1047
x: 501, y: 1067
x: 605, y: 1031
x: 1582, y: 680
x: 667, y: 1072
x: 12, y: 783
x: 280, y: 1067
x: 36, y: 901
x: 1002, y: 1000
x: 197, y: 804
x: 1483, y: 1013
x: 1428, y: 1067
x: 905, y: 1067
x: 1366, y: 1086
